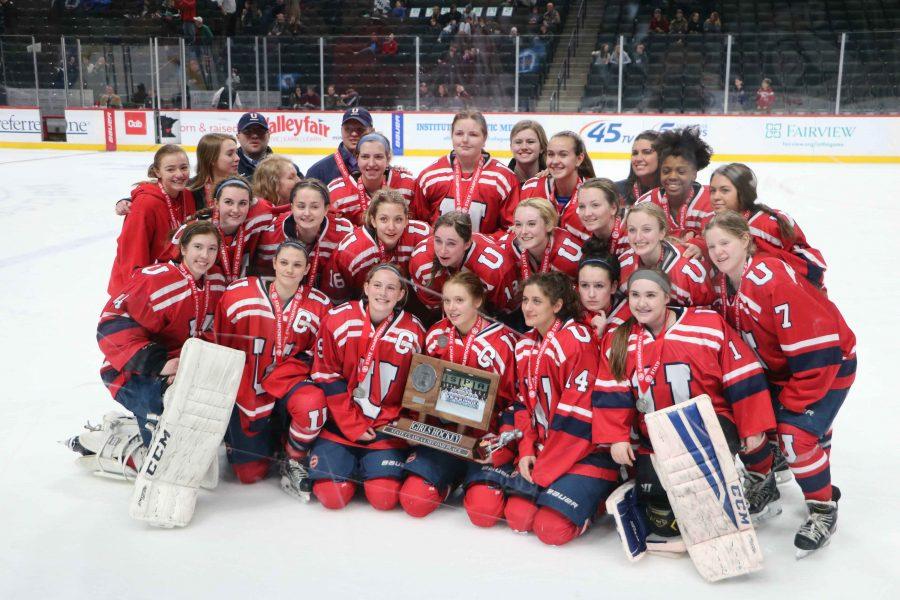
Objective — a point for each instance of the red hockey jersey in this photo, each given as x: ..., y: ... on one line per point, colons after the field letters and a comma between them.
x: 545, y: 187
x: 562, y: 254
x: 360, y: 251
x: 556, y: 420
x: 340, y: 355
x: 344, y: 193
x: 691, y: 285
x: 234, y: 255
x: 798, y: 334
x: 147, y: 230
x: 245, y: 320
x: 496, y: 190
x: 332, y: 231
x: 699, y: 354
x: 691, y: 215
x: 150, y: 319
x: 619, y: 313
x: 484, y: 258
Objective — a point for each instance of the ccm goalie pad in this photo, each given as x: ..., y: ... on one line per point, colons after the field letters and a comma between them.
x: 697, y: 470
x: 198, y: 406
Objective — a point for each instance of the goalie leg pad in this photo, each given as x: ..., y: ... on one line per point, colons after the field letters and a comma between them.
x: 696, y: 467
x: 484, y: 504
x: 631, y: 521
x: 198, y: 407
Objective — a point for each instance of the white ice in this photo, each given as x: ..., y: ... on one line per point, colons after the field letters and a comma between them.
x: 67, y: 534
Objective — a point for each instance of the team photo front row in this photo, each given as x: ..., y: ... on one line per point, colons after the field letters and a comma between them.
x: 541, y: 343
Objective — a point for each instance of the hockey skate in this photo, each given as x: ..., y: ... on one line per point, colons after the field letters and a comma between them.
x: 113, y: 449
x: 762, y: 495
x: 820, y: 525
x: 295, y: 479
x: 780, y: 466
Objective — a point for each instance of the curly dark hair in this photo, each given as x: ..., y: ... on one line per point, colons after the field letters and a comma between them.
x: 558, y: 286
x: 685, y: 143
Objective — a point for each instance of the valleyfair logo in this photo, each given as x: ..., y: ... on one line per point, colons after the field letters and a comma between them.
x: 296, y: 126
x: 605, y: 132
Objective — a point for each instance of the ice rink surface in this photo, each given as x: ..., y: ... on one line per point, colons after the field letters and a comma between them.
x: 68, y: 534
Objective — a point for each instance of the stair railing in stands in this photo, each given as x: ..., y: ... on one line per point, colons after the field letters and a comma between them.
x: 562, y: 77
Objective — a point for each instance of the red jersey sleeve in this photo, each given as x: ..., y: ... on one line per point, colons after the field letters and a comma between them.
x: 612, y: 402
x: 744, y: 386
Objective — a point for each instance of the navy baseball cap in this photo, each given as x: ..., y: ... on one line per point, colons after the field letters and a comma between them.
x: 252, y: 118
x: 358, y: 114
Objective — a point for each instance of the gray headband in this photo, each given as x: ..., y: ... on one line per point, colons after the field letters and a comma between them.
x: 375, y: 137
x: 653, y: 275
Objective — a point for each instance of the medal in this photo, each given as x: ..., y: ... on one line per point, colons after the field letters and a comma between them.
x: 360, y: 393
x: 534, y: 366
x: 442, y: 341
x: 644, y: 405
x: 459, y: 203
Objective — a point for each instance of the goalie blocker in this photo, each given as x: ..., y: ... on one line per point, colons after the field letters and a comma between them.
x: 198, y: 406
x: 696, y: 467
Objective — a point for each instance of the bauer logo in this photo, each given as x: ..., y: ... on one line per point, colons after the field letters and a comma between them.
x: 397, y: 133
x: 135, y: 123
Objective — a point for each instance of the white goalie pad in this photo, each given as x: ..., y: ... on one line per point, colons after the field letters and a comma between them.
x: 699, y: 475
x: 198, y: 407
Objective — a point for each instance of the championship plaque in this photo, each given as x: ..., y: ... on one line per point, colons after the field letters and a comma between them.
x: 457, y: 397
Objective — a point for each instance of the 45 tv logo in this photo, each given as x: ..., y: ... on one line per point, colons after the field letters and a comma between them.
x: 606, y: 132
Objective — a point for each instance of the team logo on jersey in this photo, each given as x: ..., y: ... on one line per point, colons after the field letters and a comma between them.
x: 405, y: 342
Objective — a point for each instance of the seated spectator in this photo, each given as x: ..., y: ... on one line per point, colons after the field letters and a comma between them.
x: 640, y: 56
x: 169, y: 13
x: 442, y: 98
x: 469, y: 56
x: 738, y: 95
x: 465, y: 27
x: 350, y: 98
x: 310, y: 99
x: 433, y: 25
x: 679, y: 24
x: 204, y: 33
x: 251, y: 19
x: 390, y: 47
x: 140, y: 98
x: 765, y: 96
x: 110, y: 99
x: 332, y: 100
x: 426, y: 97
x: 602, y: 56
x: 659, y: 23
x: 713, y: 24
x: 695, y: 25
x: 399, y: 11
x: 371, y: 47
x: 545, y: 33
x: 295, y: 100
x: 279, y: 27
x: 463, y: 99
x: 448, y: 31
x: 534, y: 20
x: 552, y: 17
x: 614, y: 57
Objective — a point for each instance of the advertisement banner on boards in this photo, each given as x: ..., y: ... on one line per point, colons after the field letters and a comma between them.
x: 297, y: 131
x: 86, y: 126
x: 20, y: 125
x: 135, y: 127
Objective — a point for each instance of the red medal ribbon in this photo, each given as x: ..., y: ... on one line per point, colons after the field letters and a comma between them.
x: 534, y: 364
x: 232, y: 269
x: 457, y: 185
x: 545, y: 262
x: 371, y: 342
x: 171, y: 208
x: 278, y: 309
x: 573, y: 199
x: 637, y: 191
x: 646, y: 377
x: 199, y: 316
x: 682, y: 214
x: 736, y: 306
x: 470, y: 338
